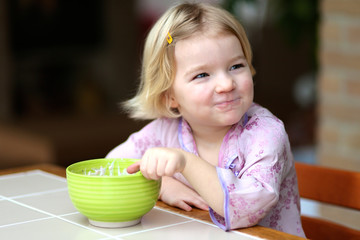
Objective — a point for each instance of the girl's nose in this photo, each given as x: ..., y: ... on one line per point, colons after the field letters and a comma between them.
x: 224, y: 83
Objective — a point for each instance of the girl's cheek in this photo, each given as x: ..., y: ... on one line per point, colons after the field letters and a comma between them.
x: 247, y: 85
x: 201, y: 89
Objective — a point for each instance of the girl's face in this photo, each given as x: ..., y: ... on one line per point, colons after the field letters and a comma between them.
x: 213, y: 84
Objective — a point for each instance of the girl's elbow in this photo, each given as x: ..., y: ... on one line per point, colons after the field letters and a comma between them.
x: 269, y: 201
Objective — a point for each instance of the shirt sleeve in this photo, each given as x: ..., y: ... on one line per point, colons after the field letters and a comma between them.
x: 158, y: 133
x: 137, y: 143
x: 249, y: 194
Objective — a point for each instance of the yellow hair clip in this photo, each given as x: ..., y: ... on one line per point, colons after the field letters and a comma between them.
x: 169, y: 38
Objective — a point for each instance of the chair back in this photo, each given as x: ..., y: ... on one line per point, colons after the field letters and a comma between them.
x: 332, y: 186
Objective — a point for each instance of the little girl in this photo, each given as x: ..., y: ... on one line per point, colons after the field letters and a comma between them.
x: 212, y: 146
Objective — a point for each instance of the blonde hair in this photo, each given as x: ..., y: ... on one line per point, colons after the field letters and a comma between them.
x: 158, y: 67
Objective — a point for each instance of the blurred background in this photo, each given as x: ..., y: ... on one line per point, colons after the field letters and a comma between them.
x: 65, y: 66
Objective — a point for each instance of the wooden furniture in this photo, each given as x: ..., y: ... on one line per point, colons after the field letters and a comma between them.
x: 333, y: 186
x: 258, y: 231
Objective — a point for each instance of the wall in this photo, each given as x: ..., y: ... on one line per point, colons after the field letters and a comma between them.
x: 339, y: 85
x: 59, y: 92
x: 5, y: 65
x: 62, y: 59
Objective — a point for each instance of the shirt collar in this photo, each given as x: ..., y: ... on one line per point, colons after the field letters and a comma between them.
x: 229, y: 149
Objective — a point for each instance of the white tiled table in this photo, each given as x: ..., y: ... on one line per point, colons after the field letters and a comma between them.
x: 35, y: 205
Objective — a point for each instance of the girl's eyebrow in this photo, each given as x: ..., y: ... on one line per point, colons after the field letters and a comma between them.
x: 237, y: 57
x: 195, y: 69
x: 200, y: 67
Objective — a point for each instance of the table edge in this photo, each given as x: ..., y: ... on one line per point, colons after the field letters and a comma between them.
x: 257, y: 231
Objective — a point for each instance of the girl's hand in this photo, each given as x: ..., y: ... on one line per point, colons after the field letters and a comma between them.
x: 177, y: 194
x: 159, y: 162
x: 165, y: 162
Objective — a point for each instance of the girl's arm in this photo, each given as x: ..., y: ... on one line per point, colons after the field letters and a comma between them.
x: 177, y: 194
x: 203, y: 177
x: 173, y: 192
x: 159, y: 162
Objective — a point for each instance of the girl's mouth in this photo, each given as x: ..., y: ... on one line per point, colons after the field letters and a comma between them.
x: 228, y: 105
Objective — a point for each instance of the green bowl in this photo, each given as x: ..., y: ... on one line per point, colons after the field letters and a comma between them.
x: 111, y: 199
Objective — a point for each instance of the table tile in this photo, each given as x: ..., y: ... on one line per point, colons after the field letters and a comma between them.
x: 156, y: 218
x: 57, y: 202
x: 188, y: 230
x: 36, y: 205
x: 15, y: 185
x: 54, y: 229
x: 13, y: 213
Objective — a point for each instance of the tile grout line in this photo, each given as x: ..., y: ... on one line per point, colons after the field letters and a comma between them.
x: 68, y: 214
x: 29, y: 207
x: 23, y: 222
x: 33, y: 173
x: 39, y: 193
x: 152, y: 229
x: 20, y: 174
x: 113, y: 237
x: 177, y: 214
x: 194, y: 219
x: 52, y: 176
x: 52, y: 216
x: 207, y: 223
x: 60, y: 217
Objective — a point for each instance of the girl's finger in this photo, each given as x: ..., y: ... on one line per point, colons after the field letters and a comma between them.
x: 160, y: 168
x: 183, y: 205
x: 201, y: 205
x: 133, y: 168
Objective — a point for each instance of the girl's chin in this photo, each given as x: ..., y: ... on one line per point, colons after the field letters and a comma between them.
x: 232, y: 121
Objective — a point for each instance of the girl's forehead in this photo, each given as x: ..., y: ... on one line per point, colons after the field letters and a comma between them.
x: 204, y: 49
x: 200, y: 36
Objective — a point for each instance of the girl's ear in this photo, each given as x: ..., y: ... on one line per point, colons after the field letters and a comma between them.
x: 172, y: 100
x: 173, y: 103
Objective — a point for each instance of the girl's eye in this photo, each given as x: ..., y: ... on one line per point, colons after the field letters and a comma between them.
x: 237, y: 66
x: 201, y: 75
